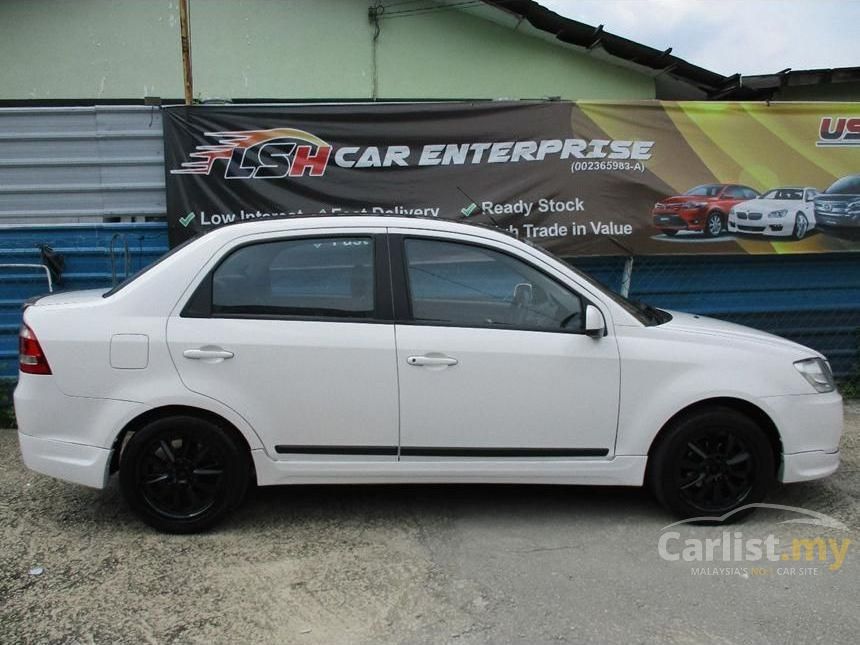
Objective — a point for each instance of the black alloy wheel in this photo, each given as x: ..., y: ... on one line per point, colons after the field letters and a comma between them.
x: 183, y: 474
x: 180, y: 476
x: 711, y: 462
x: 716, y: 472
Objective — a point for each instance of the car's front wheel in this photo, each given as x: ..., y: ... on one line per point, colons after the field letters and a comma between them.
x: 714, y: 224
x: 711, y: 462
x: 182, y: 474
x: 801, y: 226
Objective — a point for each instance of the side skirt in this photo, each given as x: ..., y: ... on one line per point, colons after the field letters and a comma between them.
x: 618, y: 471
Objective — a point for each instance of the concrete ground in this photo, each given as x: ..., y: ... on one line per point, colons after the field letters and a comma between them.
x: 436, y: 564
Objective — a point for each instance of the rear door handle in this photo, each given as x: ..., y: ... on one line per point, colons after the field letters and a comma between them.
x: 431, y: 361
x: 208, y: 353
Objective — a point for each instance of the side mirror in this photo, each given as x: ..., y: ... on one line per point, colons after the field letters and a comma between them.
x: 594, y: 323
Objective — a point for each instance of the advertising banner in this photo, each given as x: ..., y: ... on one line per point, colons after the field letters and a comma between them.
x: 584, y: 178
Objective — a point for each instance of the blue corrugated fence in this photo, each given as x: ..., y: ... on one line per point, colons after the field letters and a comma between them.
x: 813, y: 299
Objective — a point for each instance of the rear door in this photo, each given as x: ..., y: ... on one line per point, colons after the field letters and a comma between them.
x: 295, y: 333
x: 492, y: 359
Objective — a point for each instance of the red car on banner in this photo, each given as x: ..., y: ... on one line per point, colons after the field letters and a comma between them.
x: 703, y: 209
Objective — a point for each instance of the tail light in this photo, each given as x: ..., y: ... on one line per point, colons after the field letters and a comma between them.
x: 31, y: 358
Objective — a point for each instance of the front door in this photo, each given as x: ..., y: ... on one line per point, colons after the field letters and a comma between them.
x: 291, y: 333
x: 492, y: 360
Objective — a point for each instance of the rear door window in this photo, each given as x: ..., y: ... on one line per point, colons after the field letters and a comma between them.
x: 312, y: 277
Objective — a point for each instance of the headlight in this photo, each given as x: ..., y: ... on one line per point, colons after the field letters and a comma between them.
x: 780, y: 213
x: 817, y: 372
x: 693, y: 205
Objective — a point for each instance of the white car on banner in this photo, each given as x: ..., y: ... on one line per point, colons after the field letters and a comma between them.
x: 783, y: 212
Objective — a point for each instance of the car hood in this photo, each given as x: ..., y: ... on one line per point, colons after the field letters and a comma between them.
x: 695, y: 324
x: 837, y: 197
x: 69, y: 297
x: 678, y: 199
x: 770, y: 204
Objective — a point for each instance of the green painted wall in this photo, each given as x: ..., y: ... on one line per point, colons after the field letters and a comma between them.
x: 126, y: 49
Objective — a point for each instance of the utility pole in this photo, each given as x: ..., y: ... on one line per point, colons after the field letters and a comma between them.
x: 186, y: 51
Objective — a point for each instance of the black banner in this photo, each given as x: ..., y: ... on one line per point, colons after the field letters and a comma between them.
x: 577, y: 178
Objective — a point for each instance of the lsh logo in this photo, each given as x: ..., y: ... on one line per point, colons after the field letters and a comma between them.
x: 839, y: 131
x: 260, y: 154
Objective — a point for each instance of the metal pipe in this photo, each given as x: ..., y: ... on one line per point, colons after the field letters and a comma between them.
x: 186, y: 51
x: 627, y: 276
x: 41, y: 267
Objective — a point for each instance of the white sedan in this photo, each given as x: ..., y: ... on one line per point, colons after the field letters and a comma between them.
x: 384, y: 350
x: 782, y: 212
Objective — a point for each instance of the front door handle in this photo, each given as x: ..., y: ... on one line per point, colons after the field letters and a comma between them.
x: 207, y: 353
x: 432, y: 361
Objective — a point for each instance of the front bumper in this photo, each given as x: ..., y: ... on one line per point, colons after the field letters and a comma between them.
x: 810, y: 428
x: 692, y: 219
x: 826, y: 220
x: 72, y: 462
x: 774, y: 227
x: 804, y: 466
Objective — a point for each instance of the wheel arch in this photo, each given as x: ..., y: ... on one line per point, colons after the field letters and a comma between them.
x: 751, y: 410
x: 162, y: 412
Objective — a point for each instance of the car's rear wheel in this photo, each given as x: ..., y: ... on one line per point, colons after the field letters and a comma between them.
x: 801, y: 226
x: 714, y: 224
x: 670, y: 232
x: 711, y: 462
x: 182, y: 474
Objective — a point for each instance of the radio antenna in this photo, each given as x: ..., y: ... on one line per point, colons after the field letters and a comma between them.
x: 483, y: 212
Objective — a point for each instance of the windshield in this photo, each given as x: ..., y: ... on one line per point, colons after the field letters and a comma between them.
x: 784, y: 193
x: 644, y: 313
x: 845, y: 186
x: 705, y: 190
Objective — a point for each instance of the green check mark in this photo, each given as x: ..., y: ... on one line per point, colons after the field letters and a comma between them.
x: 469, y: 209
x: 185, y: 221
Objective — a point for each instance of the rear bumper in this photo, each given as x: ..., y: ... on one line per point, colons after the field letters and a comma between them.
x: 67, y: 437
x: 804, y: 466
x: 72, y: 462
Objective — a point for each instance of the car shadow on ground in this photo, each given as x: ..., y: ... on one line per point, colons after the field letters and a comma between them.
x: 444, y: 499
x: 69, y: 508
x: 597, y: 505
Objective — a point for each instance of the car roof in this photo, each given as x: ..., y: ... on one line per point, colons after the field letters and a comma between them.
x: 326, y: 221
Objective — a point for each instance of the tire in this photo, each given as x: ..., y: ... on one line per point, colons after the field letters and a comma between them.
x: 714, y: 224
x: 669, y: 232
x: 697, y: 469
x: 801, y: 226
x: 183, y: 474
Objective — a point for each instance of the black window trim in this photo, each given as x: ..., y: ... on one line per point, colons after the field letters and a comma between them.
x: 403, y: 301
x: 199, y: 304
